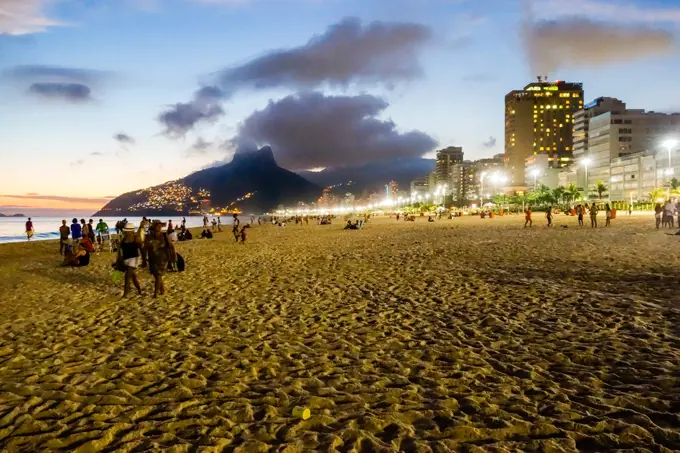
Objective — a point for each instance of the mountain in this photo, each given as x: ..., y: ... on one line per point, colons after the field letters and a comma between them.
x: 251, y: 182
x: 11, y: 215
x: 373, y: 175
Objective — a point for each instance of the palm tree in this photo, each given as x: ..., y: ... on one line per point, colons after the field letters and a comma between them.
x: 572, y: 192
x: 674, y: 186
x: 657, y: 194
x: 558, y: 194
x: 600, y: 188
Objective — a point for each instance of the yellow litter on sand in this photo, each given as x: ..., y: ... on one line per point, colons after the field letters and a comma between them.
x: 302, y: 412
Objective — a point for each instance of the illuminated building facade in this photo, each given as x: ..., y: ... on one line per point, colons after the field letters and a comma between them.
x: 539, y: 120
x: 447, y: 158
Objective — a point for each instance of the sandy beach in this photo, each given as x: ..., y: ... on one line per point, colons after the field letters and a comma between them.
x: 460, y: 335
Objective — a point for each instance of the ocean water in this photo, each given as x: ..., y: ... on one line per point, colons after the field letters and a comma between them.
x: 13, y: 229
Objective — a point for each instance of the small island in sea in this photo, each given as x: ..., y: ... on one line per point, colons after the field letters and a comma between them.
x: 11, y: 215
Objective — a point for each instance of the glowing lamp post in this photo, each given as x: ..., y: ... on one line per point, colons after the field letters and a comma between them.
x: 535, y: 174
x: 669, y: 145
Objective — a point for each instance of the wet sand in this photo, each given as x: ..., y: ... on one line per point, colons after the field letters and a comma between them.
x: 461, y: 335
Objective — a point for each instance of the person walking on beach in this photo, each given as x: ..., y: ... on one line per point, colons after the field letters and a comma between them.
x: 549, y: 215
x: 593, y: 216
x: 658, y: 214
x: 219, y: 225
x: 64, y: 231
x: 527, y: 218
x: 235, y: 229
x: 669, y: 213
x: 160, y: 252
x: 608, y: 215
x: 184, y: 223
x: 29, y: 229
x: 128, y: 254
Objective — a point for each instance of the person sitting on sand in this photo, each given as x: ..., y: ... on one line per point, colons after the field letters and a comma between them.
x: 64, y: 231
x: 77, y: 257
x: 430, y: 219
x: 349, y: 226
x: 160, y: 252
x: 206, y: 234
x: 128, y: 253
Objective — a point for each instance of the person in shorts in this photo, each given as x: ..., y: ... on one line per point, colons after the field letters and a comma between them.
x: 64, y: 232
x: 128, y: 252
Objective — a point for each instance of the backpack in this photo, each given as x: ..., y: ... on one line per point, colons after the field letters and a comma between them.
x: 180, y: 263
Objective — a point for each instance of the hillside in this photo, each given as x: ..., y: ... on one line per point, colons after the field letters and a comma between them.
x: 252, y: 182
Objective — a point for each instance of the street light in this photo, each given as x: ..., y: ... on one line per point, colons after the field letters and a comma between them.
x: 670, y: 144
x: 535, y: 172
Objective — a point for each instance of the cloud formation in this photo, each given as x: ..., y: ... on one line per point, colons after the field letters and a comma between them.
x: 348, y: 52
x: 579, y: 42
x: 311, y: 130
x: 124, y: 139
x: 200, y: 147
x: 23, y: 17
x: 54, y: 82
x: 491, y: 143
x: 35, y: 196
x: 72, y: 92
x: 612, y: 10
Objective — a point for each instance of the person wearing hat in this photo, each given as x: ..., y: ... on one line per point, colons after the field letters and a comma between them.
x: 160, y: 252
x: 128, y: 253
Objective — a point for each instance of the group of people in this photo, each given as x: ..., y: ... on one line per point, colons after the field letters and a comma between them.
x: 581, y: 211
x: 665, y: 214
x: 76, y: 241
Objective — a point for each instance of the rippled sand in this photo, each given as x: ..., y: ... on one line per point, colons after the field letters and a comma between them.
x: 462, y: 335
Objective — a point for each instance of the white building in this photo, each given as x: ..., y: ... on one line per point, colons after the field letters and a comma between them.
x: 537, y: 171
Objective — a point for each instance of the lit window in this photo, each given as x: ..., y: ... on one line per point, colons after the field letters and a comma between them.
x: 542, y: 148
x: 561, y: 125
x: 567, y: 148
x: 576, y: 95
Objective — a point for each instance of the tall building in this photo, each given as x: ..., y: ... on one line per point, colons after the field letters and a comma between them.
x: 468, y: 177
x: 446, y: 159
x: 539, y: 120
x: 420, y: 186
x: 582, y: 121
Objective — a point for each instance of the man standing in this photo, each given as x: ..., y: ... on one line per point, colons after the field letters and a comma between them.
x: 64, y: 231
x: 593, y: 216
x: 76, y: 230
x: 102, y: 229
x: 29, y: 229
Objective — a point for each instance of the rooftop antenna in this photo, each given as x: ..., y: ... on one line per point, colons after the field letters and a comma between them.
x: 539, y: 79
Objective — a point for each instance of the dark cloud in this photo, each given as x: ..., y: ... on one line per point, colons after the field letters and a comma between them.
x: 314, y: 130
x: 348, y: 52
x: 180, y: 118
x: 54, y: 82
x: 580, y: 42
x: 491, y: 143
x: 72, y: 92
x: 199, y: 148
x: 124, y: 139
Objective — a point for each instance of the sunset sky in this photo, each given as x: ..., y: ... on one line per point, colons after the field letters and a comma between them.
x: 102, y: 97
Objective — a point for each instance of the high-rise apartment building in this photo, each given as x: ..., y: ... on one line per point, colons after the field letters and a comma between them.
x: 467, y: 179
x: 446, y: 160
x: 582, y: 121
x: 620, y: 133
x: 539, y: 120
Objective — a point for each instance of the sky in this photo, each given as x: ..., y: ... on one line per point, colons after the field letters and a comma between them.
x: 98, y: 98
